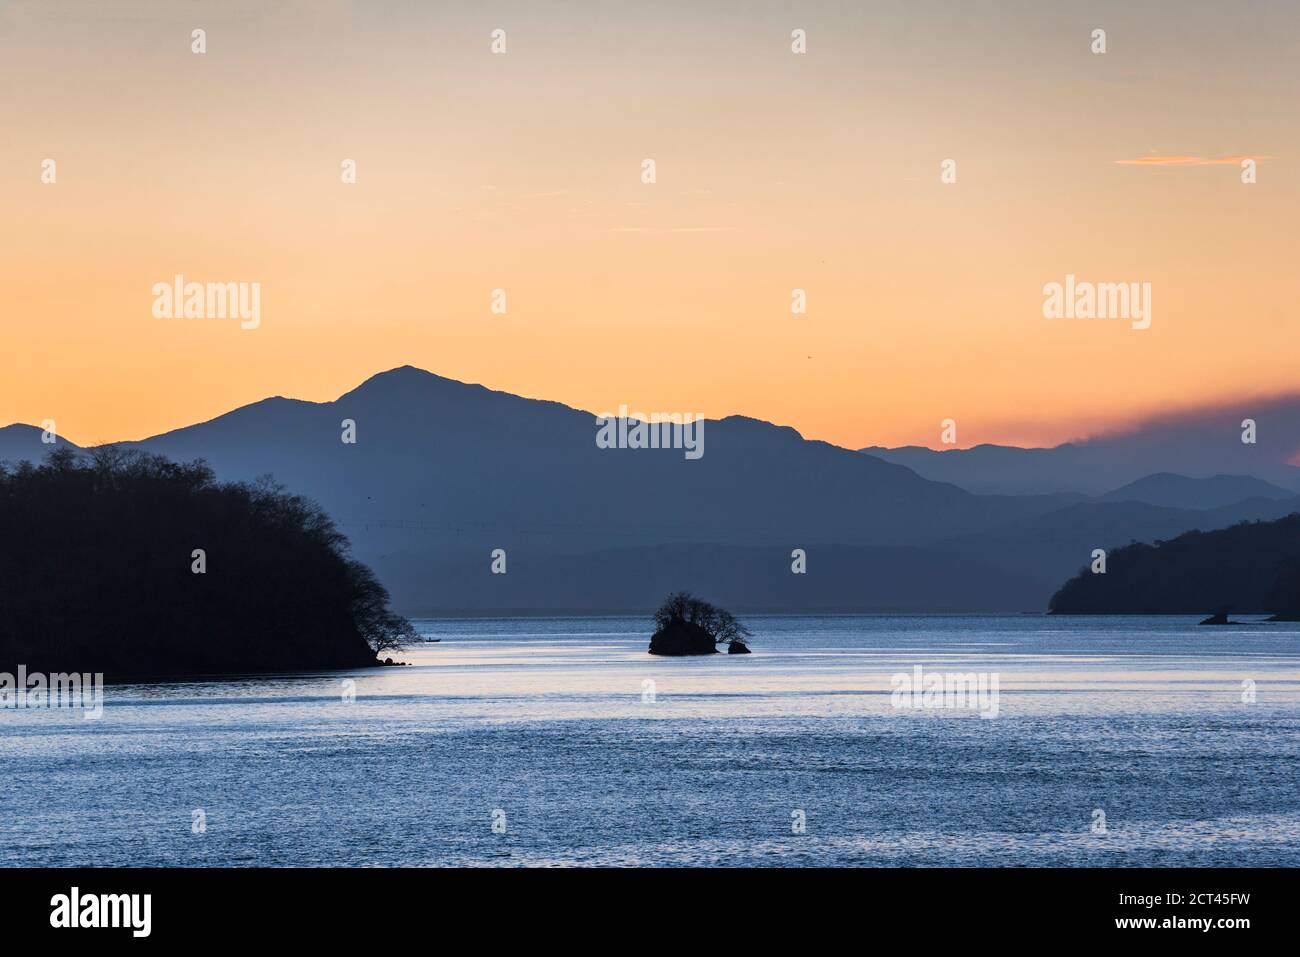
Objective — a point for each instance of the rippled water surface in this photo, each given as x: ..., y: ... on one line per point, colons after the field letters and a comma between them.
x: 589, y: 751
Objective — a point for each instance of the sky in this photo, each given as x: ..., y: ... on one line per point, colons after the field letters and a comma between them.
x: 774, y: 171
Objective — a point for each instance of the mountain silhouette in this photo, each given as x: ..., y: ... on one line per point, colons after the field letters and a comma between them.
x: 24, y: 443
x: 1198, y: 443
x: 443, y: 473
x: 436, y: 451
x: 1179, y: 491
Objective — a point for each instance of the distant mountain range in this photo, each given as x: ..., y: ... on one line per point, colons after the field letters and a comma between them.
x: 1197, y: 444
x: 443, y: 472
x: 1179, y: 491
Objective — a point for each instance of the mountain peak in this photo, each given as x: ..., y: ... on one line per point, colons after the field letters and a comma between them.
x: 407, y: 380
x: 406, y: 370
x: 1181, y: 491
x: 403, y: 374
x: 20, y: 441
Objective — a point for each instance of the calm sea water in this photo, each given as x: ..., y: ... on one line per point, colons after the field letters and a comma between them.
x: 548, y: 730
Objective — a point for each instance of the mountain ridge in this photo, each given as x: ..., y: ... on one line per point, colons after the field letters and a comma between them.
x: 1196, y: 443
x: 443, y: 471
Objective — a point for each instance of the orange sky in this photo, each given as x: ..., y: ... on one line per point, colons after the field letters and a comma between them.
x: 522, y: 171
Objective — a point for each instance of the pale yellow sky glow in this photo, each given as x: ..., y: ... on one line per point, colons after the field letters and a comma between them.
x: 775, y: 171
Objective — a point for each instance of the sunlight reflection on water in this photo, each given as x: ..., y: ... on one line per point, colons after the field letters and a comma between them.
x: 549, y: 721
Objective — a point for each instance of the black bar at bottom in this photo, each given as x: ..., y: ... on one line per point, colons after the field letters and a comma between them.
x: 331, y: 906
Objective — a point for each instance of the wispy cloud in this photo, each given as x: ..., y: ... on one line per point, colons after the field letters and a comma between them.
x: 1188, y: 160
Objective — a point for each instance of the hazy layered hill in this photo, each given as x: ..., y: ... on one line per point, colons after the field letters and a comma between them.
x: 1179, y: 491
x: 442, y: 473
x: 1003, y: 469
x: 439, y: 463
x: 1200, y: 443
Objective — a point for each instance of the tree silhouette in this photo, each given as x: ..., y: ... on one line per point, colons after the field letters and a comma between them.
x: 682, y: 606
x: 98, y: 573
x: 1250, y: 567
